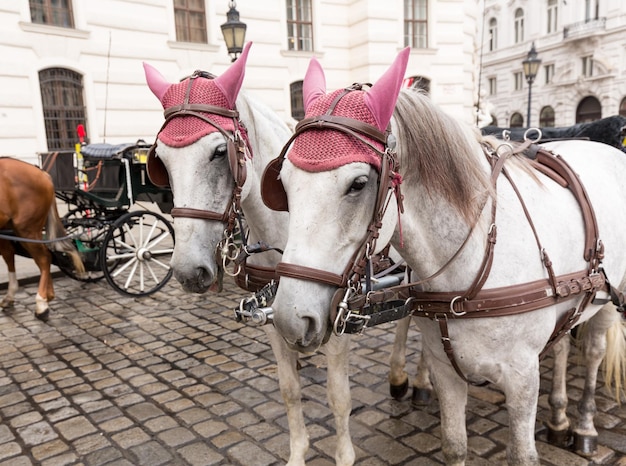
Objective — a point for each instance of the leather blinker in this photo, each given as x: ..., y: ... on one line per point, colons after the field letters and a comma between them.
x: 272, y: 189
x: 157, y: 173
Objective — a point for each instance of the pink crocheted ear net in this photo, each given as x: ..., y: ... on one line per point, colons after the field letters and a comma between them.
x: 325, y: 149
x: 182, y: 131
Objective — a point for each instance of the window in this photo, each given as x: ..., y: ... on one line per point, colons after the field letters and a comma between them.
x: 418, y: 82
x: 553, y: 15
x: 622, y: 107
x: 63, y: 108
x: 589, y: 109
x: 297, y: 100
x: 416, y: 24
x: 546, y: 117
x: 517, y: 120
x: 300, y: 25
x: 587, y: 66
x: 190, y: 18
x: 52, y: 12
x: 548, y: 71
x: 519, y: 25
x: 519, y: 80
x: 493, y: 34
x: 492, y: 86
x: 592, y: 9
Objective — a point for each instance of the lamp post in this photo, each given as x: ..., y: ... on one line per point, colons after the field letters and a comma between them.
x: 234, y: 31
x: 531, y: 66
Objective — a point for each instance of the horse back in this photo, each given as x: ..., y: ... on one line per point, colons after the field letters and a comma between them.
x: 26, y: 194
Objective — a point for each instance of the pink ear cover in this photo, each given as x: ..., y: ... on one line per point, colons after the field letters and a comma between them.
x: 230, y: 81
x: 221, y: 91
x: 314, y: 84
x: 156, y: 82
x: 381, y: 98
x: 325, y: 149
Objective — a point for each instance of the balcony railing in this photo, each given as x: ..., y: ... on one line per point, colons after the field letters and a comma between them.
x: 584, y: 28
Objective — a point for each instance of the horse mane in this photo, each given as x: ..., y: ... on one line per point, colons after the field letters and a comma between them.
x: 441, y: 154
x: 262, y: 122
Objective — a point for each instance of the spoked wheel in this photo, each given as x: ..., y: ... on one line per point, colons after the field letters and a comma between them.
x: 136, y: 253
x: 90, y: 226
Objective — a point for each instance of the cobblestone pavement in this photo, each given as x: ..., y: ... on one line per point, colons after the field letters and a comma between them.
x: 172, y: 379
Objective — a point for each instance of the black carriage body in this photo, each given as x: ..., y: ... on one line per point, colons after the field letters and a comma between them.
x: 100, y: 183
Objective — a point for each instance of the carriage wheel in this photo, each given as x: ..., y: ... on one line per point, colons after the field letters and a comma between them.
x: 136, y: 253
x: 92, y: 227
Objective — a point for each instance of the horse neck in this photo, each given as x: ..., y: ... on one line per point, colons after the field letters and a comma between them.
x: 438, y: 217
x: 267, y: 134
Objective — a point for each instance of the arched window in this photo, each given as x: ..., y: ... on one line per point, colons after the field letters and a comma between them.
x: 546, y: 117
x: 553, y: 15
x: 297, y: 100
x: 493, y: 34
x: 589, y: 109
x: 63, y: 107
x: 517, y: 120
x: 494, y: 120
x: 519, y: 25
x: 418, y: 82
x: 622, y: 107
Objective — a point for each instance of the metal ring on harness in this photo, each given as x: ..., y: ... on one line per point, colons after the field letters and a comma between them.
x: 530, y: 130
x: 456, y: 314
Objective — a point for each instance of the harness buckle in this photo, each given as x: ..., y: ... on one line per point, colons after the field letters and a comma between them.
x: 456, y: 313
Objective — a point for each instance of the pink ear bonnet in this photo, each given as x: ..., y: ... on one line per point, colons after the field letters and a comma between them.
x: 221, y: 91
x: 320, y: 150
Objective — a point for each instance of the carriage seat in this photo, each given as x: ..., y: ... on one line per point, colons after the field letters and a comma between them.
x: 105, y: 151
x: 113, y: 151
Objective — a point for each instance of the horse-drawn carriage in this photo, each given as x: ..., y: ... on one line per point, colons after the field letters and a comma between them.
x: 101, y: 185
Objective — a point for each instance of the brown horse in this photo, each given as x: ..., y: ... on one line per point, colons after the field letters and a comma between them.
x: 27, y: 206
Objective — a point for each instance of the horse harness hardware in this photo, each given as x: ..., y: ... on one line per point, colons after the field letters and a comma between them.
x: 475, y: 302
x: 248, y: 276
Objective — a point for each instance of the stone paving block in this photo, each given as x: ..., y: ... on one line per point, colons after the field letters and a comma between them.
x: 199, y: 454
x: 75, y: 427
x: 151, y: 454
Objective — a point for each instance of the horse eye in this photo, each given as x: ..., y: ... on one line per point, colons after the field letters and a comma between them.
x: 220, y: 151
x: 358, y: 184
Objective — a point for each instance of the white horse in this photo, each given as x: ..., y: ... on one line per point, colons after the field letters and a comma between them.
x: 342, y: 182
x: 198, y: 155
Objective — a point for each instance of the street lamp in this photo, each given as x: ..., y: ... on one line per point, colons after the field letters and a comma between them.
x: 234, y: 31
x: 531, y: 66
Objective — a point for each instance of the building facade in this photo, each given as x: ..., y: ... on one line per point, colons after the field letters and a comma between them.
x: 582, y: 48
x: 69, y: 63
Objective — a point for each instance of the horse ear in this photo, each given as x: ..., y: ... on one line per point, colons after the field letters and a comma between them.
x: 381, y: 98
x: 230, y: 81
x: 156, y: 82
x: 314, y: 84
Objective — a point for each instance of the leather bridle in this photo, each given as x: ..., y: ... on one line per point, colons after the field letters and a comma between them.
x: 350, y: 279
x: 237, y: 150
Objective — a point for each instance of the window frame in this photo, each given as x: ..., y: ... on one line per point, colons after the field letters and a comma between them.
x: 493, y: 34
x: 63, y: 106
x: 552, y: 16
x: 297, y: 100
x: 518, y: 26
x: 416, y: 24
x: 189, y: 32
x: 300, y: 34
x: 44, y: 12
